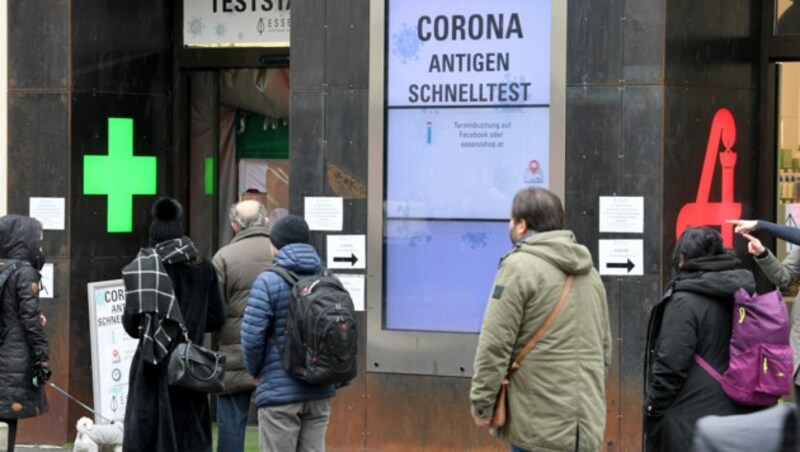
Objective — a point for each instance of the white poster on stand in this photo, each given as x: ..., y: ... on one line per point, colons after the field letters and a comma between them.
x: 112, y: 348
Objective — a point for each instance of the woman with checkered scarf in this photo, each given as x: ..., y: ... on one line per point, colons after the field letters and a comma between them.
x: 167, y: 275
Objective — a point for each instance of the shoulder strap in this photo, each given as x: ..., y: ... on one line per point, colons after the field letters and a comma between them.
x: 8, y: 271
x: 323, y: 271
x: 288, y: 275
x: 707, y: 367
x: 543, y: 329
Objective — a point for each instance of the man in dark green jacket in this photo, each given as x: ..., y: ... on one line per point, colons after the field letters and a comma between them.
x: 238, y: 264
x: 556, y: 399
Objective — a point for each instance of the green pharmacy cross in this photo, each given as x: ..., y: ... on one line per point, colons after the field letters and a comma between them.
x: 119, y: 175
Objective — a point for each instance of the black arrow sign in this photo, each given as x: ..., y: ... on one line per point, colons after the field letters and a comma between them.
x: 629, y: 265
x: 352, y: 259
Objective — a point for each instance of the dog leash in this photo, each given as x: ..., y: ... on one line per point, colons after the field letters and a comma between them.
x: 79, y: 402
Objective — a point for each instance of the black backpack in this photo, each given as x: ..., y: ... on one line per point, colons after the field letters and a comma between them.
x: 321, y: 335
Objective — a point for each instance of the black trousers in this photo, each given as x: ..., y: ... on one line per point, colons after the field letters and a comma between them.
x: 12, y: 432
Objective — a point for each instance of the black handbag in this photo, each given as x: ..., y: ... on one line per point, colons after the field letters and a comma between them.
x: 197, y: 368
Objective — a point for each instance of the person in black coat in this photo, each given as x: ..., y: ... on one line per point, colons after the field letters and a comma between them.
x: 23, y: 342
x: 694, y: 316
x: 160, y: 417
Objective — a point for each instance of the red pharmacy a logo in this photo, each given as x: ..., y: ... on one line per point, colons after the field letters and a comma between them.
x: 705, y: 213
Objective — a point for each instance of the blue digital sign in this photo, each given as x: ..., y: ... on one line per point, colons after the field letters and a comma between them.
x: 467, y: 126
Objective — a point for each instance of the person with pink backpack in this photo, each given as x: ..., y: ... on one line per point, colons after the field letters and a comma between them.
x: 781, y: 273
x: 695, y: 317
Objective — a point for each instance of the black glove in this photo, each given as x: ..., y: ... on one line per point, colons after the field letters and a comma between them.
x: 40, y: 370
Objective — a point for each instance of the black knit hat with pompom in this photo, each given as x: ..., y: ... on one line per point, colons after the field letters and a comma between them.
x: 166, y: 225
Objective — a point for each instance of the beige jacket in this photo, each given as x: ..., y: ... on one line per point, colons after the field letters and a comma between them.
x: 238, y: 264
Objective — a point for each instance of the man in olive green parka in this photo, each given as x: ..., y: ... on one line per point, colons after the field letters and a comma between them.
x: 556, y: 399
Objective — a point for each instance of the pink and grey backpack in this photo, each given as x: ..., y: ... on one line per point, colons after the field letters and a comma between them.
x: 760, y: 367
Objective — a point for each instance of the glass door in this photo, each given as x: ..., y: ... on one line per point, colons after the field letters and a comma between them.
x: 238, y: 135
x: 788, y: 148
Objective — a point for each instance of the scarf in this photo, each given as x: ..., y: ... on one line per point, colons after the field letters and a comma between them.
x: 149, y: 293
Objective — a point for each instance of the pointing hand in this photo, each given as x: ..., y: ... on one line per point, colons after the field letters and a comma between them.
x: 754, y: 245
x: 743, y: 226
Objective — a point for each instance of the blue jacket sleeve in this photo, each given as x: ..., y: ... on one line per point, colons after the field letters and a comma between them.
x: 789, y: 233
x: 256, y: 323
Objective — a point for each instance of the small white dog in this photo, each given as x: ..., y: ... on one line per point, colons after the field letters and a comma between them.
x: 96, y: 438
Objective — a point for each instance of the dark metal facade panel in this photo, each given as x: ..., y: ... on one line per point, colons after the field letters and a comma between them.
x: 613, y: 389
x: 346, y: 140
x: 347, y: 43
x: 594, y: 37
x: 712, y: 52
x: 308, y: 146
x: 637, y: 295
x: 121, y: 46
x: 151, y: 137
x: 593, y: 140
x: 38, y: 51
x: 52, y: 428
x: 348, y: 426
x: 38, y: 157
x: 640, y: 165
x: 421, y: 413
x: 643, y: 26
x: 308, y: 38
x: 307, y: 152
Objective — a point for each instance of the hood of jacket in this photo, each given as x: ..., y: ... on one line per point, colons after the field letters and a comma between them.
x: 714, y: 276
x: 20, y: 238
x: 300, y: 258
x: 559, y: 248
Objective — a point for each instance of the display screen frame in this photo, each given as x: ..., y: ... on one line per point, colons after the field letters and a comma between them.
x: 424, y: 351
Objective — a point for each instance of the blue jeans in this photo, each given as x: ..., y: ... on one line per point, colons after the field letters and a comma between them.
x: 517, y: 449
x: 232, y: 410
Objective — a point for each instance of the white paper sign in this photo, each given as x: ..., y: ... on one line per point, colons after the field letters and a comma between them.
x: 347, y: 251
x: 47, y: 287
x: 324, y: 213
x: 622, y: 214
x: 355, y: 285
x: 112, y: 348
x: 50, y: 211
x: 621, y: 257
x: 250, y: 23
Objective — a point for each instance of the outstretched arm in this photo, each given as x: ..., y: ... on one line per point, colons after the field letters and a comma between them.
x: 788, y: 233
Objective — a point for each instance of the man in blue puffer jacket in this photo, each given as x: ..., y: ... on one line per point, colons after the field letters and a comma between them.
x: 292, y: 414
